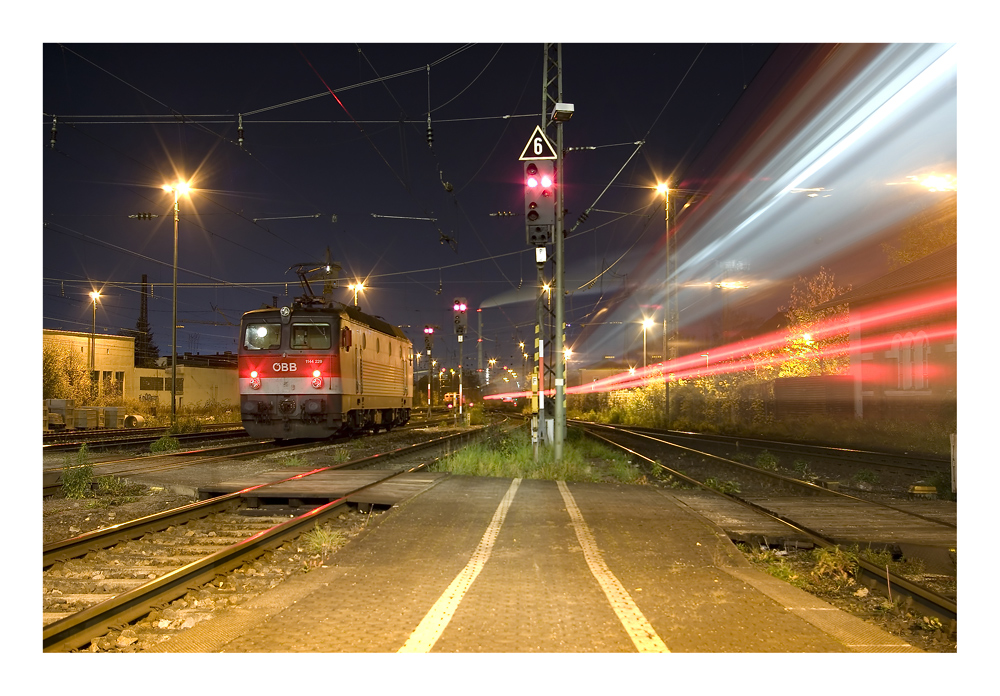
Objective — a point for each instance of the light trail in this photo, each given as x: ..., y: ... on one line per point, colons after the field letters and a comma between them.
x: 777, y: 347
x: 810, y: 181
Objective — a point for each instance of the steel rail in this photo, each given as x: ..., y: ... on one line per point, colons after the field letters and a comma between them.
x: 74, y: 631
x: 812, y: 487
x: 910, y: 461
x: 933, y: 603
x: 51, y: 479
x: 80, y: 628
x: 109, y: 536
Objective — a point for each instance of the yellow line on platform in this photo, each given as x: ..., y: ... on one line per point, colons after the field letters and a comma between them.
x: 433, y: 624
x: 635, y: 623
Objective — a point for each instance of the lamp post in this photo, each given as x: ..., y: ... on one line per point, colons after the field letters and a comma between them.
x: 177, y: 189
x: 646, y: 324
x: 93, y: 334
x: 669, y: 318
x: 356, y: 287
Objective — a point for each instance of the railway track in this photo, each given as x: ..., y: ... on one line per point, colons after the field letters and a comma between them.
x: 851, y: 458
x: 154, y: 463
x: 106, y: 579
x: 96, y: 440
x: 773, y: 494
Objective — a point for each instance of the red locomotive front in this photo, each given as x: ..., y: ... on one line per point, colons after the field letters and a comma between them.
x: 309, y: 372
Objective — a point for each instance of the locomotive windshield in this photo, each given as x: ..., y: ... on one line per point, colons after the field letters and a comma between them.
x: 262, y: 336
x: 314, y: 336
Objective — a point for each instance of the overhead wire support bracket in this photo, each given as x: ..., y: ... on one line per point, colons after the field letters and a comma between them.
x: 403, y: 217
x: 291, y: 217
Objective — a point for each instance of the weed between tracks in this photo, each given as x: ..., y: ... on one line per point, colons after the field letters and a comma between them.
x: 78, y: 482
x: 832, y: 574
x: 321, y: 541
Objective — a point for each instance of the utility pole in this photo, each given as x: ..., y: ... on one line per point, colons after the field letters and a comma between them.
x: 479, y: 367
x: 555, y: 111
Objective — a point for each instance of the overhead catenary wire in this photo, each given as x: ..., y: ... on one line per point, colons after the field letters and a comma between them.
x: 188, y: 120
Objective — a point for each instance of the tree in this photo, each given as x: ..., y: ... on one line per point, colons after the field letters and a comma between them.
x: 809, y: 352
x: 146, y: 352
x: 65, y: 375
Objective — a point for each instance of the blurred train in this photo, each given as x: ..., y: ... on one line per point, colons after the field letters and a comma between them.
x: 320, y: 368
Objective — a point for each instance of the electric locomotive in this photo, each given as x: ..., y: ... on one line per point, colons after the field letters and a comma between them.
x: 319, y: 368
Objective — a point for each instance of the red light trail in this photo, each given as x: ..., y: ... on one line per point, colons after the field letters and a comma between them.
x: 776, y: 348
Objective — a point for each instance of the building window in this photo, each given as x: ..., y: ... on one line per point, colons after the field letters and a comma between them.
x: 921, y: 354
x: 911, y: 353
x: 150, y: 384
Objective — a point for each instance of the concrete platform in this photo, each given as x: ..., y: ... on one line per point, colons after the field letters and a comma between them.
x: 325, y: 486
x: 486, y: 565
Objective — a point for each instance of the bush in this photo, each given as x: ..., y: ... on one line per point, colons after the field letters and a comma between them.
x: 165, y: 444
x: 77, y: 480
x: 767, y: 461
x: 834, y: 564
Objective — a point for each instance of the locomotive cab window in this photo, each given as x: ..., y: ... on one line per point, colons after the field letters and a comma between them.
x: 310, y: 336
x: 262, y: 336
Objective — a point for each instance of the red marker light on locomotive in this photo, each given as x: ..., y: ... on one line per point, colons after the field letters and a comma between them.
x: 254, y: 380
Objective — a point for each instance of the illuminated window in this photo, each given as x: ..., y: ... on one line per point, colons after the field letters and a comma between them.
x: 262, y: 336
x: 911, y: 353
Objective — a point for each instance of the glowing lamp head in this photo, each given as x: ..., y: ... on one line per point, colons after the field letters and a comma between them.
x: 546, y: 182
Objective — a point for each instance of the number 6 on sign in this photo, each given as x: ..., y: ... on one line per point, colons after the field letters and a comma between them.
x: 538, y: 147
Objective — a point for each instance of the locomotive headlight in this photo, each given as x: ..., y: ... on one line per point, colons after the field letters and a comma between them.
x: 285, y: 311
x: 316, y: 373
x: 317, y: 382
x: 254, y: 380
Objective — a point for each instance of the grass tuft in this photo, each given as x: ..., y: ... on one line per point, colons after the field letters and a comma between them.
x: 509, y: 454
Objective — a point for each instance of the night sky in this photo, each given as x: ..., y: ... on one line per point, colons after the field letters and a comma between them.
x: 132, y: 117
x: 736, y: 126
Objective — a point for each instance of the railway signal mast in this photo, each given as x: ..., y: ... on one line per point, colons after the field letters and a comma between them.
x: 544, y: 210
x: 461, y: 324
x: 428, y: 346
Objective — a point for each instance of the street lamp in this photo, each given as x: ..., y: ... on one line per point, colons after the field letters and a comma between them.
x: 356, y: 287
x: 93, y: 334
x: 177, y: 189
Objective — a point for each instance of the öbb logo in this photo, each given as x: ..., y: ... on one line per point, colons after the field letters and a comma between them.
x: 283, y: 367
